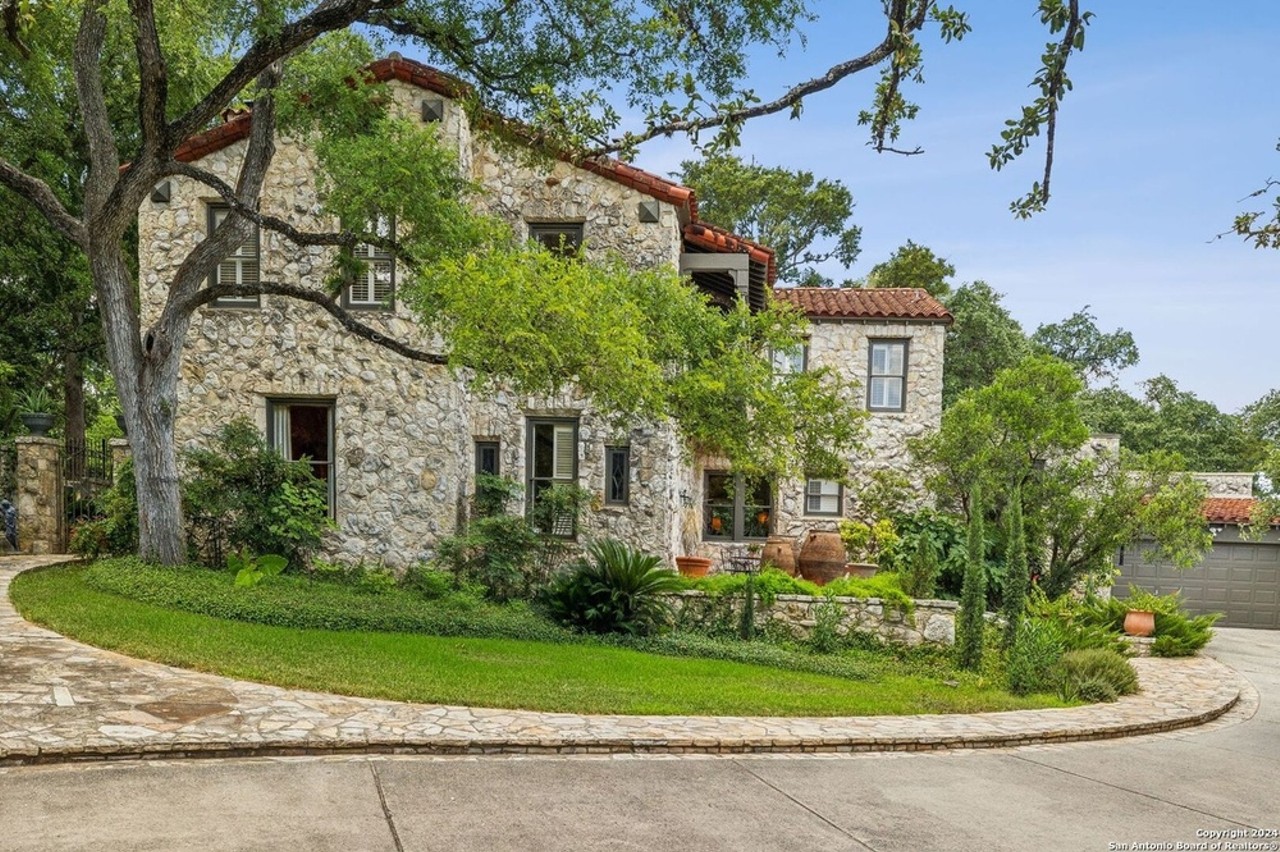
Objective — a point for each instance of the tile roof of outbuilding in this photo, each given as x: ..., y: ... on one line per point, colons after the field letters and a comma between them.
x: 908, y: 303
x: 1230, y: 510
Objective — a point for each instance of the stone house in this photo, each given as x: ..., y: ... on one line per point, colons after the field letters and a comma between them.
x: 400, y: 442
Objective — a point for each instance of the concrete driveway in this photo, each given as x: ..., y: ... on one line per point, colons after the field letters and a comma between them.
x: 1172, y: 788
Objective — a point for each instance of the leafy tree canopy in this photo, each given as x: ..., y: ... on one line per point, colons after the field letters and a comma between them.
x: 788, y: 211
x: 983, y: 340
x: 913, y: 265
x: 1095, y: 354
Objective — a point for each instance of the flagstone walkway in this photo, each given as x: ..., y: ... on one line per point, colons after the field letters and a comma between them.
x: 61, y: 701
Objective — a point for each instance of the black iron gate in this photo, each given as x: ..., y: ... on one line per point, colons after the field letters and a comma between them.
x: 86, y: 472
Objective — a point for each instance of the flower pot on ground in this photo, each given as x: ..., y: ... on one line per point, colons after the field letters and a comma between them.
x: 693, y: 566
x: 822, y: 559
x: 780, y: 552
x: 1140, y: 622
x: 861, y: 569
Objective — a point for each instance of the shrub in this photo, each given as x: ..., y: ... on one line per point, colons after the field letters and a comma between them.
x: 498, y: 553
x: 427, y: 582
x: 1031, y: 665
x: 493, y: 493
x: 1085, y: 674
x: 252, y: 499
x: 252, y: 570
x: 825, y: 636
x: 970, y: 622
x: 874, y: 543
x: 116, y: 532
x: 1178, y: 635
x: 920, y: 577
x: 885, y: 585
x: 616, y: 590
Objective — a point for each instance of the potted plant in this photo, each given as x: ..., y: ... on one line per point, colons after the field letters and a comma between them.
x: 691, y: 566
x: 866, y: 544
x: 1140, y: 615
x: 35, y: 407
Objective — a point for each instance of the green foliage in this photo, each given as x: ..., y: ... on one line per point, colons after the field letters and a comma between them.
x: 426, y: 581
x: 1094, y: 354
x: 826, y: 637
x: 970, y: 623
x: 1017, y: 577
x: 641, y: 344
x: 983, y: 340
x: 494, y: 494
x: 116, y: 532
x: 944, y: 535
x: 786, y: 210
x: 1079, y: 504
x: 260, y: 501
x: 914, y: 265
x: 1080, y: 623
x: 35, y: 401
x: 1032, y: 661
x: 1182, y: 636
x: 296, y: 602
x: 769, y: 583
x: 1095, y: 674
x: 1172, y: 420
x: 920, y: 578
x: 885, y: 585
x: 615, y: 590
x: 499, y: 552
x: 873, y: 543
x: 251, y: 570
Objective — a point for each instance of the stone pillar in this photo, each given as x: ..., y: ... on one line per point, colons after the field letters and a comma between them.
x: 120, y: 453
x: 40, y: 512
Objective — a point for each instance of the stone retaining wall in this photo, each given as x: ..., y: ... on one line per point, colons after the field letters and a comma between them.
x: 930, y: 621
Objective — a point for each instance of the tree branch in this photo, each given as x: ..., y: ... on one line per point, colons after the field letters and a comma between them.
x: 38, y: 193
x: 326, y: 17
x: 1055, y: 92
x: 153, y: 77
x: 315, y: 297
x: 104, y: 157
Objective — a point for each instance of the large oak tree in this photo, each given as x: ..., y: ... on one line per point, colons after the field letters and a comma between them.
x: 147, y: 76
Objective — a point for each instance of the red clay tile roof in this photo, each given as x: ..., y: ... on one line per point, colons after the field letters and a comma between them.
x: 236, y: 127
x: 910, y: 303
x: 1230, y: 510
x: 717, y: 239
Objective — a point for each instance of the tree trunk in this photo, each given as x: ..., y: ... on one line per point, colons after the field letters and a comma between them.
x: 73, y: 395
x: 146, y: 374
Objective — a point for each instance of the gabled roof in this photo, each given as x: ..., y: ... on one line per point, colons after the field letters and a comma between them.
x: 235, y: 127
x: 898, y: 303
x: 1230, y: 510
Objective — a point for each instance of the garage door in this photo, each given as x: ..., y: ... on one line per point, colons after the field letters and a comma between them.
x: 1237, y: 578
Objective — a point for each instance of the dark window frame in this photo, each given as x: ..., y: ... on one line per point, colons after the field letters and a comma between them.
x: 905, y: 343
x: 212, y: 209
x: 610, y: 497
x: 389, y: 304
x: 739, y: 508
x: 839, y: 512
x: 574, y: 233
x: 273, y: 441
x: 483, y: 445
x: 531, y: 481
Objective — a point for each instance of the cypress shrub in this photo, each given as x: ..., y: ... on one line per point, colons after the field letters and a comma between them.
x: 973, y: 597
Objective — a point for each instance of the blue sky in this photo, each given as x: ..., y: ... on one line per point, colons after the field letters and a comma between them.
x: 1174, y: 118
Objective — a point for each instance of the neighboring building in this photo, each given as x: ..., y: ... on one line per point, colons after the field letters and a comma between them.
x: 400, y: 442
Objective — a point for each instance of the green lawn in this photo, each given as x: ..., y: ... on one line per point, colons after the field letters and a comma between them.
x: 509, y: 673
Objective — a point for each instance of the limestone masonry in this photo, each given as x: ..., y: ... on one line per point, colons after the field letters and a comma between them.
x: 403, y: 440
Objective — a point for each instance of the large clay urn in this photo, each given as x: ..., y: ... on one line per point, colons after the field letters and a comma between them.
x: 1139, y: 622
x: 693, y: 566
x: 822, y: 558
x: 780, y: 552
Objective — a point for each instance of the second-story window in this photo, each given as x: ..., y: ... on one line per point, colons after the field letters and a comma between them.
x: 887, y: 376
x: 563, y: 238
x: 373, y: 287
x: 794, y: 359
x: 239, y: 267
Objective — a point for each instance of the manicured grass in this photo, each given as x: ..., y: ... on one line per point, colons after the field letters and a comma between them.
x: 585, y: 678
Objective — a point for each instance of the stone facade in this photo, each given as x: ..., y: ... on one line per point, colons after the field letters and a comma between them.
x: 403, y: 433
x: 929, y: 622
x: 1227, y: 484
x: 39, y: 500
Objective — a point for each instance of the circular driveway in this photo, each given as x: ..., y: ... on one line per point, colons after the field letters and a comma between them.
x: 1198, y: 785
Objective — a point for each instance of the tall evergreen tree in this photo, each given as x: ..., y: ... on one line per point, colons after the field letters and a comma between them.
x: 973, y: 597
x: 1016, y: 575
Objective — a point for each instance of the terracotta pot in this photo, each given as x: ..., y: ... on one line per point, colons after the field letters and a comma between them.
x: 693, y: 566
x: 1139, y: 622
x: 862, y: 569
x: 780, y: 552
x: 822, y: 558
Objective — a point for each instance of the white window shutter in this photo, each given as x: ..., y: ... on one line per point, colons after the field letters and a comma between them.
x: 566, y: 452
x: 280, y: 428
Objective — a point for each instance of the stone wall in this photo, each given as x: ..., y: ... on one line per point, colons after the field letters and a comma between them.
x: 1227, y: 484
x: 39, y: 498
x: 930, y: 621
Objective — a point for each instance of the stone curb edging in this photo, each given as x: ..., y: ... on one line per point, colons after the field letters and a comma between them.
x: 1176, y: 694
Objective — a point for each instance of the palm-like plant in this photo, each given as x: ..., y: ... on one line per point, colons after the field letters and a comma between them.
x: 616, y: 590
